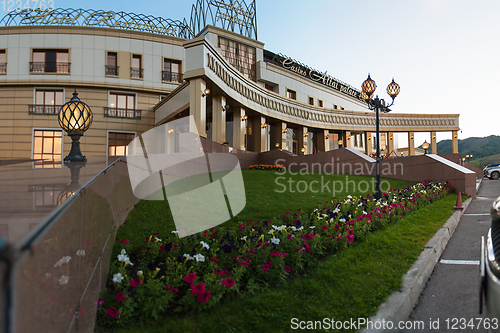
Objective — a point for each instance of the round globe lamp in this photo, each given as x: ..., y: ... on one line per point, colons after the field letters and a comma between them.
x: 75, y: 117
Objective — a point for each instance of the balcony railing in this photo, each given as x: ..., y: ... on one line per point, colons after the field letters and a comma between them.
x: 122, y: 113
x: 50, y: 67
x: 43, y: 109
x: 136, y: 73
x: 168, y: 76
x: 3, y: 68
x: 112, y: 70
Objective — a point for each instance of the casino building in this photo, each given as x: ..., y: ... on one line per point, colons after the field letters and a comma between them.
x: 136, y: 72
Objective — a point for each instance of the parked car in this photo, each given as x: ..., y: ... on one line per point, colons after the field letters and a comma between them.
x: 490, y: 271
x: 492, y: 171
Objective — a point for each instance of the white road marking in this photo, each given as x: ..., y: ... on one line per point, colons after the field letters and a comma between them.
x: 459, y: 262
x: 477, y: 214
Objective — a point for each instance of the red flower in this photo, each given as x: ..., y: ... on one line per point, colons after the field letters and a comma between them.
x: 266, y: 267
x: 197, y: 289
x: 290, y: 236
x: 236, y: 258
x: 172, y: 289
x: 189, y: 278
x: 288, y: 269
x: 243, y: 263
x: 325, y: 227
x: 228, y: 282
x: 162, y: 248
x: 125, y: 241
x: 211, y: 237
x: 135, y: 282
x: 120, y: 297
x: 112, y: 312
x: 350, y: 238
x: 214, y: 259
x: 242, y: 229
x: 204, y: 297
x: 44, y: 285
x: 218, y: 271
x: 226, y: 272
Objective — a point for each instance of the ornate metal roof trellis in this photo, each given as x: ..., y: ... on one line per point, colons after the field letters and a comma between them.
x: 233, y: 15
x: 98, y: 18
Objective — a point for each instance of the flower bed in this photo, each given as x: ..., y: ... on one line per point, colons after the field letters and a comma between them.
x: 278, y: 167
x: 171, y: 274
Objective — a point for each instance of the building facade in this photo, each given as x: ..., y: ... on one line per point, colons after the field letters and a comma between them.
x: 137, y: 72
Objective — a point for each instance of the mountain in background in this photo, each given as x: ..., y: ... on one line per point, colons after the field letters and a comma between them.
x: 484, y: 150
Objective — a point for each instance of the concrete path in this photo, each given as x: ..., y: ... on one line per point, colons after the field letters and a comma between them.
x: 451, y: 295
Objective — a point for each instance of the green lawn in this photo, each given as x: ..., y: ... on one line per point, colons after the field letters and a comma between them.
x: 351, y: 284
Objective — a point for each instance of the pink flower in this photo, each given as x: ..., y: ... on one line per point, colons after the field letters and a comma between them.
x: 266, y: 267
x: 112, y: 312
x: 189, y: 278
x: 204, y: 297
x: 214, y: 259
x: 135, y: 282
x: 350, y: 238
x: 243, y: 263
x: 174, y: 290
x: 197, y: 289
x: 120, y: 297
x: 236, y: 258
x: 287, y: 269
x: 125, y: 241
x: 228, y: 282
x: 162, y: 248
x: 290, y: 236
x: 218, y: 271
x: 325, y: 227
x: 226, y: 272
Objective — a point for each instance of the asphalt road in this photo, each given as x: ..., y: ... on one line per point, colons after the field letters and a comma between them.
x: 450, y: 300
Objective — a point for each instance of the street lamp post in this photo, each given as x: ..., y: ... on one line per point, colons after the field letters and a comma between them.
x: 244, y: 118
x: 368, y: 88
x: 425, y: 145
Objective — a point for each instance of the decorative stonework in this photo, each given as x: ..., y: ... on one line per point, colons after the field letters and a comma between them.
x: 328, y: 117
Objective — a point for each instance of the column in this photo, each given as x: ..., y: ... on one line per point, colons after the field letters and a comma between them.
x: 283, y: 135
x: 433, y: 143
x: 218, y: 119
x: 239, y: 128
x: 390, y: 142
x: 411, y: 143
x: 300, y: 139
x: 258, y: 134
x: 368, y: 143
x: 198, y: 106
x: 348, y: 141
x: 323, y: 141
x: 276, y: 136
x: 454, y: 142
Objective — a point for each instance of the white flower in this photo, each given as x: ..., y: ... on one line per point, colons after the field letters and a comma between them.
x: 336, y: 210
x: 63, y: 280
x: 175, y: 232
x: 123, y: 251
x: 123, y: 257
x: 205, y: 245
x: 63, y: 260
x: 199, y: 257
x: 157, y: 239
x: 244, y: 238
x: 275, y: 241
x: 80, y: 253
x: 360, y: 204
x: 365, y: 213
x: 312, y: 226
x: 140, y: 273
x: 117, y: 278
x: 188, y: 256
x: 342, y: 220
x: 270, y: 232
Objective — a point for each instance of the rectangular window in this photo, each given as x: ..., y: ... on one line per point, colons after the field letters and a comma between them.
x: 136, y: 69
x: 118, y: 143
x: 50, y: 61
x: 47, y: 146
x: 269, y: 87
x: 320, y: 103
x: 311, y: 101
x: 240, y: 56
x: 172, y: 71
x: 47, y: 101
x: 291, y: 94
x: 122, y: 106
x: 112, y: 64
x: 3, y: 62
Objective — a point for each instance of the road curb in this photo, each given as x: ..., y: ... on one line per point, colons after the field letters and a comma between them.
x: 399, y: 304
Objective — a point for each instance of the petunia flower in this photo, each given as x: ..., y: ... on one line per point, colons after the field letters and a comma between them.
x: 228, y: 282
x: 117, y: 278
x: 275, y: 241
x: 214, y: 259
x: 63, y: 280
x: 287, y: 269
x: 199, y: 257
x: 112, y: 312
x: 197, y: 289
x: 243, y: 263
x: 120, y: 297
x: 218, y: 271
x: 189, y: 278
x: 172, y: 289
x: 204, y: 297
x: 135, y: 282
